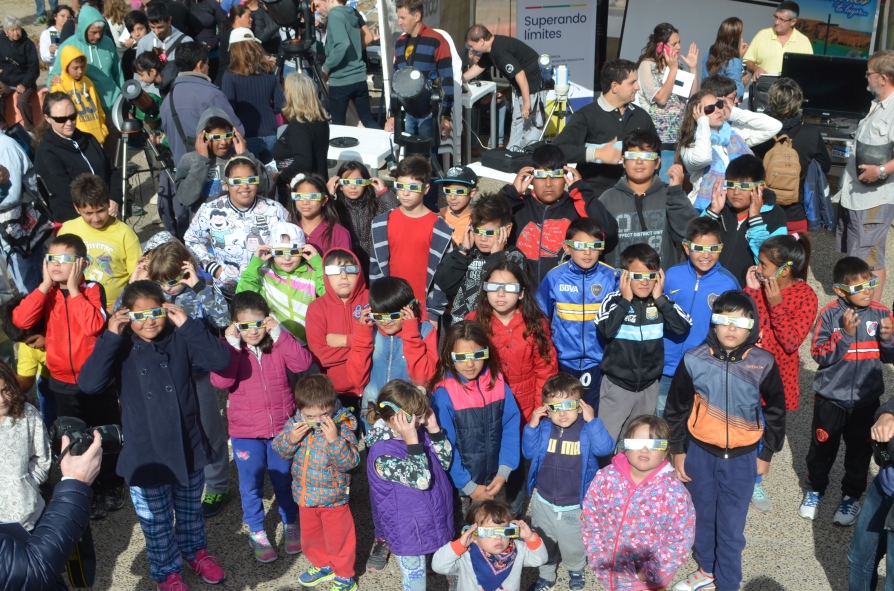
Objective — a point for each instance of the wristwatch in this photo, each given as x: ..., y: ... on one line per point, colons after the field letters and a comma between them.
x: 882, y: 175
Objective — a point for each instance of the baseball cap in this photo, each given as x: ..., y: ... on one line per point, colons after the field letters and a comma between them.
x: 156, y: 241
x: 242, y: 34
x: 295, y: 235
x: 460, y: 174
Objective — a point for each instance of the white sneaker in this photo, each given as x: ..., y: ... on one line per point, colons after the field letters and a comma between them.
x: 847, y: 511
x: 697, y: 581
x: 810, y: 505
x: 759, y: 500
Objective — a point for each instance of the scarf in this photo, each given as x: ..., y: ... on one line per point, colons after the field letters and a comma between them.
x: 735, y: 147
x: 492, y: 569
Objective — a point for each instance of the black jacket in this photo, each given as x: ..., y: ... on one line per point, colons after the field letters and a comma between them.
x: 266, y: 30
x: 538, y: 230
x: 206, y: 18
x: 302, y: 147
x: 59, y: 161
x: 38, y: 564
x: 18, y: 61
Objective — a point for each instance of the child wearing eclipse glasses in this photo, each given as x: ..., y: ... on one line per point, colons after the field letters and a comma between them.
x: 853, y: 339
x: 312, y: 208
x: 638, y: 519
x: 492, y: 550
x: 726, y: 399
x: 565, y: 450
x: 647, y: 209
x: 460, y: 187
x: 288, y: 273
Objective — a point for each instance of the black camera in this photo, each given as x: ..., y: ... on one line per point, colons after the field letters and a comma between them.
x: 81, y: 436
x: 882, y: 453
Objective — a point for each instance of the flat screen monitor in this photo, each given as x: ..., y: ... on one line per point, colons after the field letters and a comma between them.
x: 832, y: 85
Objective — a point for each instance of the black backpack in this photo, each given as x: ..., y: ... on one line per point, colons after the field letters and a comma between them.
x: 169, y: 72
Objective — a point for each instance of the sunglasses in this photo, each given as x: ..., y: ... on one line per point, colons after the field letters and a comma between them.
x: 737, y: 321
x: 238, y: 181
x: 649, y: 156
x: 777, y: 273
x: 703, y: 247
x: 580, y: 245
x: 411, y: 187
x: 509, y: 531
x: 338, y: 269
x: 354, y: 182
x: 219, y: 137
x: 564, y: 405
x: 247, y: 326
x: 307, y: 196
x: 396, y: 409
x: 457, y: 192
x: 650, y: 276
x: 171, y: 282
x: 540, y: 173
x: 492, y: 287
x: 286, y: 252
x: 858, y: 288
x: 479, y: 355
x: 143, y: 315
x: 708, y: 109
x: 650, y: 444
x: 64, y: 118
x: 744, y: 185
x: 62, y: 259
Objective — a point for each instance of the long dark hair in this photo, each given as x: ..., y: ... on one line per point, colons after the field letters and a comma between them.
x: 686, y: 135
x: 249, y: 300
x: 661, y: 34
x: 328, y: 212
x: 726, y: 46
x: 368, y: 197
x: 782, y: 249
x: 468, y: 330
x: 16, y: 396
x: 531, y: 314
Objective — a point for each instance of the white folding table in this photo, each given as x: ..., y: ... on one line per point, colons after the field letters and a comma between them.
x: 374, y: 146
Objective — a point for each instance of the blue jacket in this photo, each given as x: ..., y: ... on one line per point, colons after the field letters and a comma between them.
x: 733, y: 69
x: 695, y: 295
x: 594, y: 442
x: 163, y: 437
x: 570, y: 297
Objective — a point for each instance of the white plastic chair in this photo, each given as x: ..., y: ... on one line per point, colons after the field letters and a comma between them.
x: 453, y: 146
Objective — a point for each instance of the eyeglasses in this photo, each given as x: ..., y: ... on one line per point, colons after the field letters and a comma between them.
x: 708, y: 109
x: 237, y: 181
x: 859, y: 287
x: 247, y: 326
x: 650, y: 444
x: 219, y: 137
x: 540, y: 173
x: 396, y: 409
x: 777, y: 273
x: 64, y: 118
x: 286, y: 252
x: 171, y: 282
x: 354, y: 182
x: 650, y: 156
x: 307, y: 196
x: 703, y: 247
x: 580, y: 245
x: 486, y: 231
x: 509, y: 531
x: 564, y: 405
x: 338, y: 269
x: 492, y: 287
x: 651, y: 276
x: 479, y: 355
x: 737, y: 321
x: 143, y: 315
x: 62, y: 259
x: 411, y: 187
x: 782, y: 20
x: 870, y: 74
x: 744, y: 185
x: 457, y: 192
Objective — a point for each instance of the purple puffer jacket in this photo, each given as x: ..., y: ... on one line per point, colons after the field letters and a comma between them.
x: 260, y: 401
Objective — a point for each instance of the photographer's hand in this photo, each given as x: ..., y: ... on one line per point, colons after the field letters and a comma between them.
x: 84, y: 467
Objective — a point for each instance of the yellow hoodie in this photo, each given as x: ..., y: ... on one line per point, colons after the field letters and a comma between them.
x: 91, y: 117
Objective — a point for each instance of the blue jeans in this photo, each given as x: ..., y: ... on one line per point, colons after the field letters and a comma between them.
x: 27, y: 272
x: 261, y: 147
x: 421, y: 127
x: 47, y: 401
x: 253, y: 458
x: 341, y: 96
x: 41, y: 8
x: 590, y: 379
x: 871, y: 541
x: 664, y: 386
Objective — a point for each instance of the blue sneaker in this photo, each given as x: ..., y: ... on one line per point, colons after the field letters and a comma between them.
x: 847, y: 511
x: 542, y: 585
x: 576, y: 580
x: 810, y: 505
x: 342, y: 584
x: 314, y: 576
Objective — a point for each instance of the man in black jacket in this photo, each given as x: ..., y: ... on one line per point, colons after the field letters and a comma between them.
x: 37, y: 563
x: 592, y: 137
x: 19, y: 69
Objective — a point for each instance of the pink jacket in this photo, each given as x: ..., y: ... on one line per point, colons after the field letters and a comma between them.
x: 261, y: 401
x: 656, y: 522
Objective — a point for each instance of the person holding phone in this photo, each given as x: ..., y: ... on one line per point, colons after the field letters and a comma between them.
x: 49, y: 37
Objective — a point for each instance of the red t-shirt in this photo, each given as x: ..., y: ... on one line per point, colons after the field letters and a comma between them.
x: 409, y: 240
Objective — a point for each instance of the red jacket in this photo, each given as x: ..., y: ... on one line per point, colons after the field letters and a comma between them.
x: 73, y: 325
x: 524, y: 369
x: 420, y: 355
x: 329, y: 315
x: 783, y: 328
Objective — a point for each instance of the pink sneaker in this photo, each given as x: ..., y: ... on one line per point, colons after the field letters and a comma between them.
x: 258, y: 541
x: 173, y: 583
x: 293, y: 538
x: 206, y: 567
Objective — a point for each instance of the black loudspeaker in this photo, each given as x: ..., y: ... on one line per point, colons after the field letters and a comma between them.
x: 504, y: 160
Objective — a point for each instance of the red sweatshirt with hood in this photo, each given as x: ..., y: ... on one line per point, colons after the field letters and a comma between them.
x: 328, y: 314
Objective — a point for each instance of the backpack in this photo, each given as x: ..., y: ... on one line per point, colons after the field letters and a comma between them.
x: 783, y: 171
x: 169, y: 71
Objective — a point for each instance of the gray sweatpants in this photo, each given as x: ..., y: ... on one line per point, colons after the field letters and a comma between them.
x: 526, y: 131
x: 560, y: 532
x: 617, y: 406
x: 217, y: 473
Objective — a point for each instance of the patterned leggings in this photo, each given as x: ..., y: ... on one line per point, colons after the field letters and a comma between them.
x: 412, y: 572
x: 165, y: 539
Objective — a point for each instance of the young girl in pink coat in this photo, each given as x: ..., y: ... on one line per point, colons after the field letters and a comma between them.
x: 638, y: 519
x: 258, y: 407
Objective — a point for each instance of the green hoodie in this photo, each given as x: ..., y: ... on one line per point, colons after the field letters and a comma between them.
x: 344, y: 63
x: 103, y: 65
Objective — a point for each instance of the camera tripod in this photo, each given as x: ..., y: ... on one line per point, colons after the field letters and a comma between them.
x: 158, y: 158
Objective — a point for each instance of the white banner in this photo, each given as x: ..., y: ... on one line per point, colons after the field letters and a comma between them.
x: 567, y: 32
